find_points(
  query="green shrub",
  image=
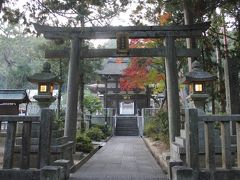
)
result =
(58, 120)
(107, 131)
(84, 143)
(82, 138)
(151, 129)
(95, 134)
(157, 127)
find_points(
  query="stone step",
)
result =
(178, 148)
(119, 122)
(126, 127)
(166, 156)
(126, 133)
(130, 129)
(183, 133)
(126, 121)
(181, 141)
(126, 117)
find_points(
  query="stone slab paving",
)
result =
(122, 158)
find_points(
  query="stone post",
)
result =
(172, 88)
(192, 140)
(72, 90)
(45, 137)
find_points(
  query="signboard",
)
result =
(122, 43)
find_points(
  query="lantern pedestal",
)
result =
(198, 100)
(44, 101)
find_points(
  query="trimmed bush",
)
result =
(95, 134)
(84, 143)
(104, 128)
(157, 127)
(82, 138)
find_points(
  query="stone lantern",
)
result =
(45, 80)
(197, 79)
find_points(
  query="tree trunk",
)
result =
(231, 81)
(148, 96)
(221, 87)
(80, 100)
(59, 91)
(81, 86)
(188, 20)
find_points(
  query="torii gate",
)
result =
(170, 33)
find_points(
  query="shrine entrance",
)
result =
(126, 107)
(122, 34)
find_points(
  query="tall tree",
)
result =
(62, 13)
(19, 57)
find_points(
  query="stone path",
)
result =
(122, 158)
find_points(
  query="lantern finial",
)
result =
(196, 66)
(46, 67)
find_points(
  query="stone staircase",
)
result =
(126, 126)
(178, 151)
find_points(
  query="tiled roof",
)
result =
(13, 96)
(114, 66)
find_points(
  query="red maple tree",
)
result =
(138, 74)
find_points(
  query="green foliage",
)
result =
(95, 134)
(92, 103)
(84, 143)
(157, 127)
(83, 138)
(61, 13)
(19, 58)
(107, 131)
(59, 119)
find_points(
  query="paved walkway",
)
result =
(122, 158)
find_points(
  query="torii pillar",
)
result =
(72, 90)
(172, 88)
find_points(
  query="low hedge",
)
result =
(95, 134)
(107, 131)
(84, 143)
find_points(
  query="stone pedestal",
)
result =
(44, 101)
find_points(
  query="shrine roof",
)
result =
(13, 96)
(114, 66)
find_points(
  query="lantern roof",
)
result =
(198, 75)
(46, 76)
